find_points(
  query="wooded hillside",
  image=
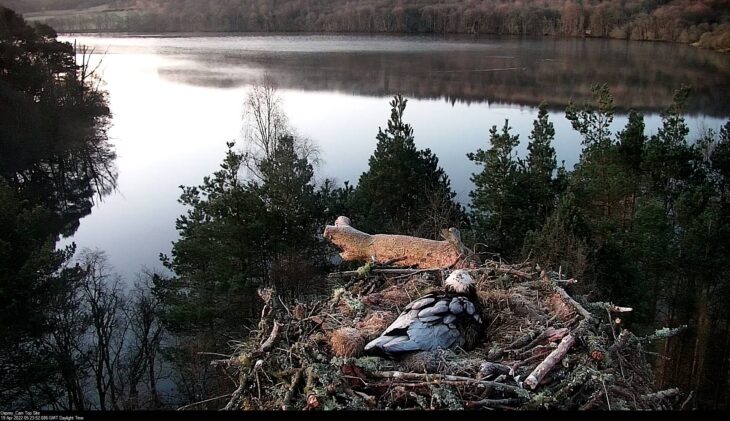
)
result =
(673, 20)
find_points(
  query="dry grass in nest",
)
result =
(559, 308)
(347, 342)
(396, 297)
(345, 309)
(497, 298)
(375, 323)
(418, 284)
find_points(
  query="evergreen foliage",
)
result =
(404, 190)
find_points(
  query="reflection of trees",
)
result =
(642, 76)
(56, 154)
(68, 181)
(54, 160)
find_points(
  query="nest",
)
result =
(542, 349)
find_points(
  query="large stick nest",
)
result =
(307, 356)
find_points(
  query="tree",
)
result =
(396, 193)
(264, 122)
(104, 303)
(495, 199)
(146, 336)
(668, 157)
(593, 121)
(55, 158)
(632, 141)
(540, 167)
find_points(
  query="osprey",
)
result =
(440, 319)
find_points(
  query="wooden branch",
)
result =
(662, 394)
(400, 250)
(664, 333)
(508, 270)
(296, 378)
(182, 408)
(491, 403)
(236, 395)
(489, 369)
(686, 401)
(620, 342)
(312, 398)
(525, 339)
(534, 379)
(271, 339)
(437, 378)
(576, 305)
(226, 363)
(611, 307)
(548, 335)
(496, 267)
(383, 272)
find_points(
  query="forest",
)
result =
(683, 21)
(641, 220)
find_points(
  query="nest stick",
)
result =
(549, 363)
(400, 375)
(295, 380)
(579, 308)
(269, 342)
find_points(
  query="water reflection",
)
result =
(58, 158)
(642, 76)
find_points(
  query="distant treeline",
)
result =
(656, 20)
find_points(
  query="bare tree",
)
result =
(265, 123)
(146, 335)
(64, 346)
(103, 296)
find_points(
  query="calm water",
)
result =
(176, 101)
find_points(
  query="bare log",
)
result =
(400, 250)
(549, 363)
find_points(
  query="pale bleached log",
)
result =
(399, 250)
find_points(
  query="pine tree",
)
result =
(496, 200)
(668, 156)
(238, 234)
(593, 120)
(632, 141)
(540, 166)
(395, 194)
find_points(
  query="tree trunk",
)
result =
(400, 250)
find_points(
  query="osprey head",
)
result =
(459, 282)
